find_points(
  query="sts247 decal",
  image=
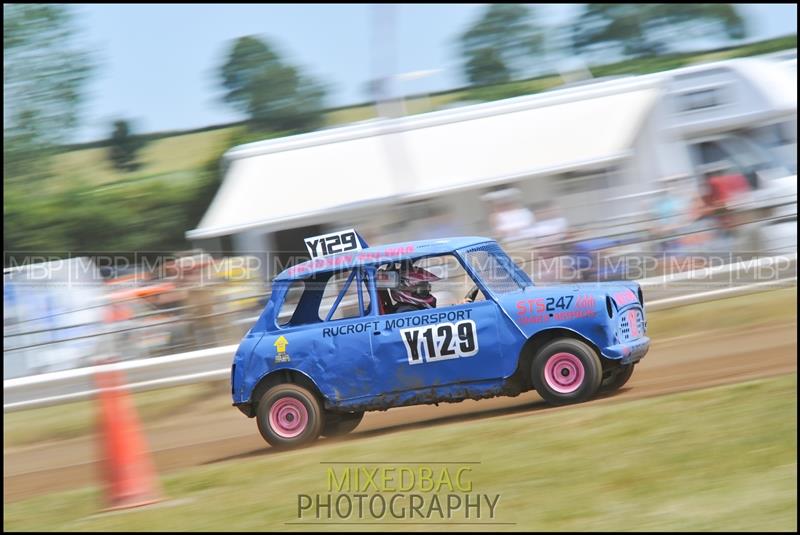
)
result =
(559, 308)
(443, 341)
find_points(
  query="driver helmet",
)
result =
(415, 288)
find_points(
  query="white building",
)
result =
(599, 150)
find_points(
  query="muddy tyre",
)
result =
(617, 379)
(338, 424)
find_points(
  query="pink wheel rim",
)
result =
(564, 373)
(288, 417)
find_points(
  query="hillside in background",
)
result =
(86, 203)
(174, 155)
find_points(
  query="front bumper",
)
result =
(628, 352)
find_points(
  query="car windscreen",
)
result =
(493, 266)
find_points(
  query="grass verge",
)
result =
(78, 418)
(764, 308)
(723, 458)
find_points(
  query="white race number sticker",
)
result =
(443, 341)
(335, 242)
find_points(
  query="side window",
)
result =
(448, 284)
(709, 158)
(711, 152)
(348, 305)
(290, 302)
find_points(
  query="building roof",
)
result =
(394, 252)
(308, 178)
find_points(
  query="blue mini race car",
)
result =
(361, 328)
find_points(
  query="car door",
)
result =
(331, 342)
(440, 346)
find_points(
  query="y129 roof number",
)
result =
(333, 243)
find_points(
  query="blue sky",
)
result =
(157, 62)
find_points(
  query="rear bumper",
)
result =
(628, 352)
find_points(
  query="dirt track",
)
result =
(678, 364)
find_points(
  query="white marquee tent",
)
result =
(272, 184)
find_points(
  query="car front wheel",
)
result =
(566, 371)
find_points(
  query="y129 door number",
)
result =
(442, 341)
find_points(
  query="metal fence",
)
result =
(214, 364)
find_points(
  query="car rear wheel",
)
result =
(338, 423)
(566, 371)
(617, 379)
(289, 416)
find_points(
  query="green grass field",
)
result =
(77, 419)
(775, 306)
(174, 157)
(718, 459)
(179, 157)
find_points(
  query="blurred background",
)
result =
(162, 163)
(176, 175)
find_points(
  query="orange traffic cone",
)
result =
(128, 470)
